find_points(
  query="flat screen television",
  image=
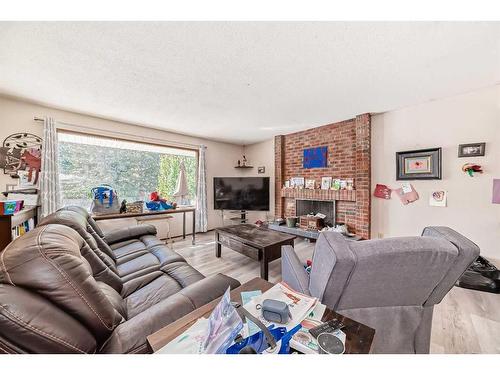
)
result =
(241, 193)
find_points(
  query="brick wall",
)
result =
(348, 157)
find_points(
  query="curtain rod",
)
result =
(74, 127)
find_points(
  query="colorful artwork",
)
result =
(310, 184)
(418, 165)
(438, 198)
(382, 191)
(316, 157)
(326, 183)
(21, 151)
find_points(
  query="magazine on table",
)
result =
(305, 343)
(300, 304)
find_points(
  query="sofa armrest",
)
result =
(128, 233)
(292, 270)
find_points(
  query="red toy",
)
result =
(155, 197)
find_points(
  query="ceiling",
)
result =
(243, 82)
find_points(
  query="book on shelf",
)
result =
(22, 228)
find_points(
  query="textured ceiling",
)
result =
(243, 82)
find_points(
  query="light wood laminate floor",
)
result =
(465, 321)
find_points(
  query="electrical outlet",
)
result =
(380, 235)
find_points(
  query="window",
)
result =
(133, 169)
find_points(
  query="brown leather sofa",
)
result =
(66, 287)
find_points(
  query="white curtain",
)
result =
(50, 192)
(201, 193)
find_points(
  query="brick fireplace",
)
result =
(348, 157)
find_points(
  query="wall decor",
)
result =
(310, 184)
(350, 184)
(297, 182)
(407, 193)
(336, 184)
(316, 157)
(438, 198)
(21, 151)
(382, 191)
(471, 168)
(496, 191)
(469, 150)
(326, 183)
(419, 164)
(261, 170)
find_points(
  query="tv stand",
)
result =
(240, 219)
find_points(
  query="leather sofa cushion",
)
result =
(183, 273)
(38, 326)
(143, 262)
(152, 293)
(48, 261)
(77, 222)
(114, 298)
(176, 276)
(130, 232)
(130, 336)
(128, 249)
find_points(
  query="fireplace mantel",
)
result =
(318, 194)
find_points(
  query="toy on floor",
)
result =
(157, 203)
(308, 266)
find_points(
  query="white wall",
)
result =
(261, 155)
(446, 123)
(17, 116)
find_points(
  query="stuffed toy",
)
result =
(157, 203)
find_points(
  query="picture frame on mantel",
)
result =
(422, 164)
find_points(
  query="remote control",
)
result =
(329, 326)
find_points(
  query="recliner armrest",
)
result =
(292, 270)
(468, 252)
(128, 233)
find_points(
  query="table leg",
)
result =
(183, 225)
(218, 247)
(264, 268)
(194, 227)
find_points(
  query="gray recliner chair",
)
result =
(388, 284)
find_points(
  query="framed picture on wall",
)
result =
(471, 149)
(419, 164)
(316, 157)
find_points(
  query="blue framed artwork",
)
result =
(316, 157)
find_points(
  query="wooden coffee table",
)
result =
(359, 337)
(261, 244)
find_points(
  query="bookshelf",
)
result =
(13, 226)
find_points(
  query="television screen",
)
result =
(241, 193)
